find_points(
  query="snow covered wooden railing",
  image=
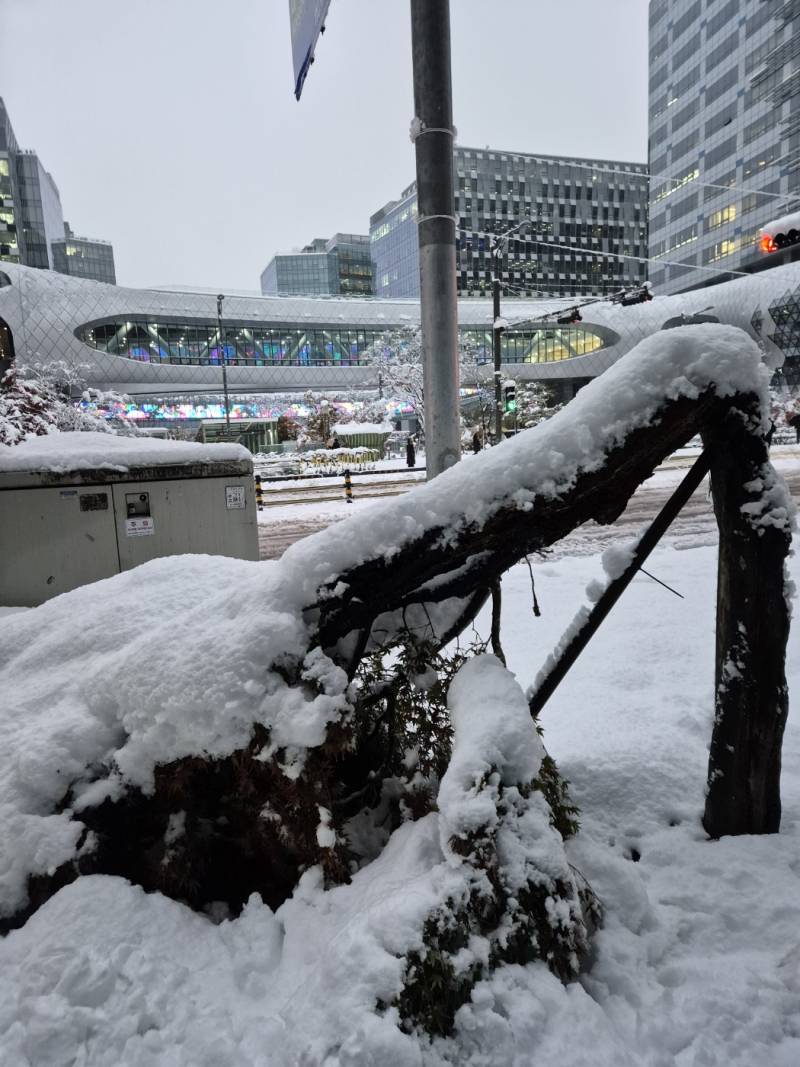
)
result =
(214, 738)
(717, 388)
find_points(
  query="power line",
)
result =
(623, 255)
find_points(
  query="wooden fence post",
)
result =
(751, 697)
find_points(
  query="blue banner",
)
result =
(307, 18)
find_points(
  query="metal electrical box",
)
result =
(65, 527)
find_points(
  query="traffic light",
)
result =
(509, 397)
(639, 295)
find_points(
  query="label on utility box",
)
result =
(142, 526)
(234, 496)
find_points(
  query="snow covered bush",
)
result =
(26, 410)
(36, 400)
(520, 900)
(535, 403)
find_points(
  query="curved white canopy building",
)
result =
(162, 343)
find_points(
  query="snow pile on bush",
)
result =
(444, 901)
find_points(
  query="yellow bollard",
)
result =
(259, 493)
(348, 487)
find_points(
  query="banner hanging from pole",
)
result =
(307, 19)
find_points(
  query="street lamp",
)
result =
(496, 250)
(224, 360)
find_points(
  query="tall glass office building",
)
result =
(42, 220)
(587, 216)
(724, 132)
(339, 266)
(10, 199)
(84, 257)
(32, 228)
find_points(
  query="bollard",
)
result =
(259, 493)
(348, 487)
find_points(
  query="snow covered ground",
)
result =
(698, 960)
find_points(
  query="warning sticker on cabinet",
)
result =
(142, 526)
(234, 496)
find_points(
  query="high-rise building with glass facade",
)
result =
(339, 266)
(32, 228)
(84, 257)
(40, 203)
(586, 215)
(10, 200)
(395, 245)
(724, 151)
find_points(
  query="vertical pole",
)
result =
(496, 351)
(432, 133)
(753, 614)
(224, 359)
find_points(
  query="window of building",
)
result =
(720, 120)
(680, 118)
(689, 18)
(683, 207)
(685, 145)
(756, 129)
(722, 85)
(674, 184)
(685, 52)
(724, 151)
(724, 49)
(761, 160)
(689, 79)
(722, 216)
(723, 18)
(720, 250)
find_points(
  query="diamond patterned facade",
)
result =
(165, 343)
(785, 313)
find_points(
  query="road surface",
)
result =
(694, 526)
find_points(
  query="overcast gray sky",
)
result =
(171, 128)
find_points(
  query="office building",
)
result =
(84, 257)
(340, 266)
(586, 216)
(724, 100)
(42, 221)
(32, 228)
(10, 198)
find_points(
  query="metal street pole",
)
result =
(496, 350)
(433, 134)
(224, 359)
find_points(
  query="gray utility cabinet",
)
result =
(62, 529)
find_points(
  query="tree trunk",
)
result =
(751, 697)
